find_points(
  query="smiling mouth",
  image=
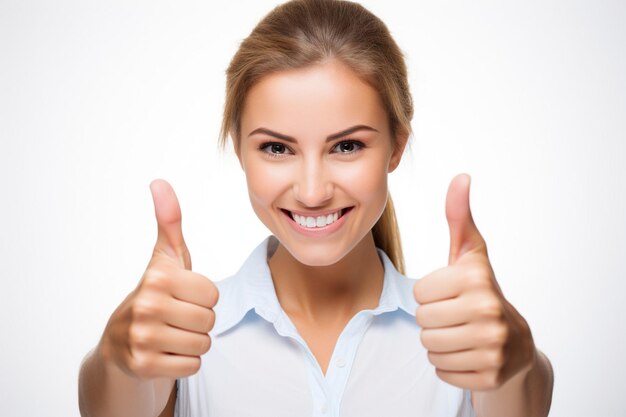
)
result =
(313, 222)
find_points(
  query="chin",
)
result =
(316, 254)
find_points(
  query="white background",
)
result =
(99, 98)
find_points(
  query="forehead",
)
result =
(312, 101)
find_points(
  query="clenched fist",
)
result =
(474, 337)
(161, 328)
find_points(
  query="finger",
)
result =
(169, 220)
(467, 360)
(155, 365)
(464, 235)
(441, 284)
(178, 366)
(448, 339)
(190, 317)
(474, 381)
(169, 339)
(194, 288)
(444, 313)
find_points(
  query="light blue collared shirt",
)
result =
(259, 365)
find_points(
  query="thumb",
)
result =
(464, 236)
(170, 235)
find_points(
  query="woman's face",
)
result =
(316, 150)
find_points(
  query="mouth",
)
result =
(317, 221)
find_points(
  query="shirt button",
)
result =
(324, 408)
(341, 362)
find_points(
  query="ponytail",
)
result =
(387, 236)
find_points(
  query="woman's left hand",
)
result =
(475, 338)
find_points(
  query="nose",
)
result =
(313, 186)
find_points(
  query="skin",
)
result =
(157, 334)
(474, 337)
(330, 277)
(322, 281)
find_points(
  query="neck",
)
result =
(329, 294)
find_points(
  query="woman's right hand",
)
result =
(161, 328)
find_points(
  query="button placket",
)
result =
(348, 344)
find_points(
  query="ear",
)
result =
(396, 155)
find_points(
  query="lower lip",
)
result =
(318, 231)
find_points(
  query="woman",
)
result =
(320, 319)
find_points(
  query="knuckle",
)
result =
(210, 320)
(477, 277)
(432, 358)
(496, 358)
(156, 279)
(193, 365)
(496, 335)
(214, 296)
(417, 291)
(419, 317)
(206, 344)
(443, 375)
(199, 345)
(491, 380)
(489, 307)
(426, 339)
(141, 365)
(145, 308)
(501, 334)
(140, 337)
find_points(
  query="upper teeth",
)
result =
(319, 221)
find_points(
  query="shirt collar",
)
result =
(251, 287)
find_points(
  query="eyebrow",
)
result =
(328, 138)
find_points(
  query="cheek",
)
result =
(366, 181)
(265, 181)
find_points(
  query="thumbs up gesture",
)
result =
(474, 337)
(161, 328)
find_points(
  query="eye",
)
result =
(349, 146)
(274, 149)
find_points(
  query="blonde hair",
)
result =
(300, 33)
